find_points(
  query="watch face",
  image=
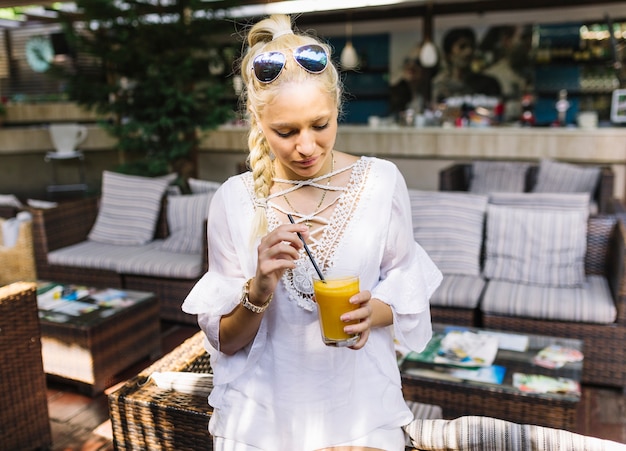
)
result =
(39, 53)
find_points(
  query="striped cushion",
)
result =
(449, 226)
(556, 177)
(185, 220)
(155, 262)
(147, 259)
(591, 303)
(535, 244)
(542, 201)
(198, 186)
(477, 433)
(458, 291)
(498, 176)
(129, 209)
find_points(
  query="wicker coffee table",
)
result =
(89, 340)
(428, 382)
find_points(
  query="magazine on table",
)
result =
(539, 383)
(465, 348)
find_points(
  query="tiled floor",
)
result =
(80, 423)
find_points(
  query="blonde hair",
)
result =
(274, 33)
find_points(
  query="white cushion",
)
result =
(129, 209)
(449, 226)
(532, 243)
(198, 186)
(185, 220)
(498, 176)
(556, 177)
(590, 303)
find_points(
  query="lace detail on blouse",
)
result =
(298, 282)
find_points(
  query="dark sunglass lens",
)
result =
(312, 57)
(267, 66)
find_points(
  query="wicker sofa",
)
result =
(454, 229)
(458, 177)
(69, 224)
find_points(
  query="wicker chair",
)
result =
(145, 416)
(24, 423)
(457, 177)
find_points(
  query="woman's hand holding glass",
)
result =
(363, 315)
(277, 252)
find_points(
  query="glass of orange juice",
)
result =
(332, 296)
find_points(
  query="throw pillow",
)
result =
(198, 186)
(533, 243)
(556, 177)
(185, 220)
(129, 208)
(497, 176)
(449, 226)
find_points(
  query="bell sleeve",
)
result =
(408, 277)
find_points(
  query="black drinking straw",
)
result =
(308, 251)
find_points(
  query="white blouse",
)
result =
(286, 390)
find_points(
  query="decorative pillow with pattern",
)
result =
(185, 219)
(198, 186)
(498, 176)
(532, 239)
(557, 177)
(449, 226)
(129, 208)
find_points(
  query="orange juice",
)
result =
(332, 297)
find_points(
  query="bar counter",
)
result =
(419, 152)
(600, 145)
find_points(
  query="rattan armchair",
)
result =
(24, 422)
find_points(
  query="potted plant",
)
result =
(146, 68)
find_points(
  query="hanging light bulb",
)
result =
(428, 52)
(349, 58)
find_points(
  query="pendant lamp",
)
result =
(349, 58)
(428, 53)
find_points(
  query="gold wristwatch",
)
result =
(245, 300)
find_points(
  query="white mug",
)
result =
(66, 137)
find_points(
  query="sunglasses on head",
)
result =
(268, 65)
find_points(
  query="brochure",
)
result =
(492, 374)
(556, 356)
(538, 383)
(468, 349)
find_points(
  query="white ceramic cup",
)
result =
(66, 137)
(588, 119)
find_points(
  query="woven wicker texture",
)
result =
(92, 355)
(70, 223)
(24, 422)
(146, 417)
(18, 261)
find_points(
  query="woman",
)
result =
(276, 385)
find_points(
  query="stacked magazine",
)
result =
(468, 349)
